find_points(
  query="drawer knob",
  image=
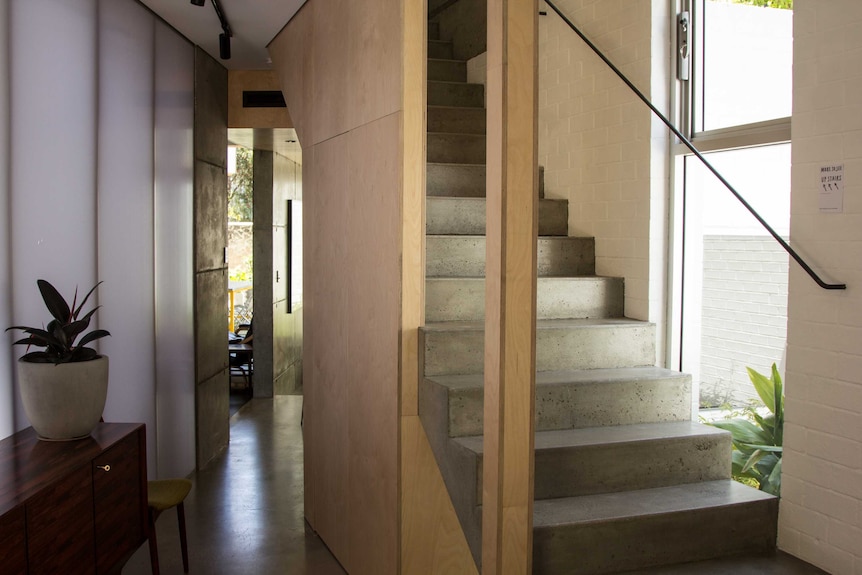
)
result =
(105, 468)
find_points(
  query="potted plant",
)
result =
(65, 384)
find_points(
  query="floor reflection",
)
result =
(245, 512)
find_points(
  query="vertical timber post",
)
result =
(510, 287)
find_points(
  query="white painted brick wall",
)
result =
(821, 508)
(744, 314)
(598, 142)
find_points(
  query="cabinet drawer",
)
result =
(119, 504)
(60, 526)
(13, 550)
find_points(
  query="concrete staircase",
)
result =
(623, 478)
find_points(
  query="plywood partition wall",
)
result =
(353, 77)
(339, 64)
(510, 287)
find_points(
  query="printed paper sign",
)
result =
(832, 189)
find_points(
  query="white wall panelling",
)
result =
(53, 162)
(125, 214)
(7, 408)
(174, 290)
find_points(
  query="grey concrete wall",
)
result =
(263, 378)
(465, 24)
(278, 328)
(287, 290)
(744, 314)
(210, 241)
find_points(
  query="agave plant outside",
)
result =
(59, 337)
(758, 442)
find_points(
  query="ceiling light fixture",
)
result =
(224, 37)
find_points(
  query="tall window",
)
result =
(730, 288)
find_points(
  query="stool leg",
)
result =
(151, 536)
(181, 518)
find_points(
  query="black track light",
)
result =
(198, 2)
(224, 46)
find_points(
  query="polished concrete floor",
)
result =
(244, 514)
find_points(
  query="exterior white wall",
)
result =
(821, 507)
(599, 144)
(82, 200)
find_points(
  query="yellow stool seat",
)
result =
(161, 495)
(166, 493)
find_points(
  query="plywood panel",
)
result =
(292, 59)
(329, 265)
(239, 116)
(374, 60)
(374, 228)
(330, 44)
(510, 288)
(432, 540)
(413, 201)
(310, 405)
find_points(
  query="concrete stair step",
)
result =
(456, 148)
(455, 180)
(466, 216)
(433, 30)
(614, 532)
(447, 70)
(457, 94)
(464, 256)
(456, 120)
(463, 299)
(452, 348)
(439, 49)
(575, 462)
(565, 399)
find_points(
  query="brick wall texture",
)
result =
(821, 507)
(596, 140)
(744, 315)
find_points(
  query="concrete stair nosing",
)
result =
(463, 299)
(456, 94)
(440, 49)
(464, 256)
(615, 532)
(445, 70)
(567, 399)
(587, 461)
(454, 148)
(456, 119)
(452, 348)
(455, 180)
(466, 216)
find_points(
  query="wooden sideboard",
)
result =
(73, 507)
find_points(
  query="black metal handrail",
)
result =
(697, 153)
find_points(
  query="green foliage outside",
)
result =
(782, 4)
(758, 440)
(240, 188)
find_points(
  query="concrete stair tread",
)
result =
(606, 436)
(560, 377)
(445, 60)
(630, 505)
(542, 324)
